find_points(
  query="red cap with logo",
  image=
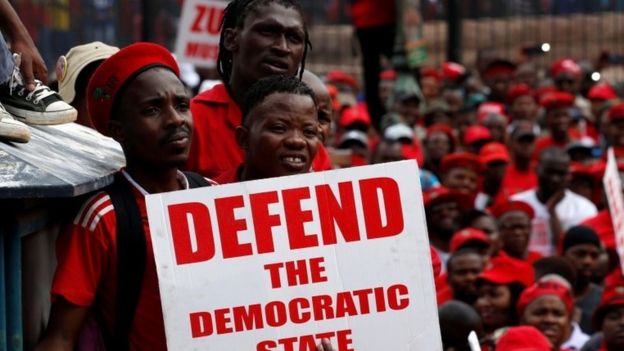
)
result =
(113, 74)
(543, 288)
(565, 66)
(523, 338)
(503, 269)
(557, 99)
(468, 235)
(494, 152)
(460, 160)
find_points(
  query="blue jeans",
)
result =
(6, 61)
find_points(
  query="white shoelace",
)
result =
(39, 93)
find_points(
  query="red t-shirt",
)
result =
(86, 274)
(214, 149)
(516, 181)
(372, 13)
(547, 141)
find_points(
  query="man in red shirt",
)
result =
(520, 175)
(558, 121)
(258, 39)
(137, 98)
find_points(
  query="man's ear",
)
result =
(242, 137)
(230, 39)
(116, 131)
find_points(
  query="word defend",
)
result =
(613, 189)
(198, 32)
(279, 264)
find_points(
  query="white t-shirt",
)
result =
(571, 210)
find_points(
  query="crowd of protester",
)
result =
(511, 163)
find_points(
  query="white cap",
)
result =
(399, 131)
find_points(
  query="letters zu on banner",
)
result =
(198, 33)
(278, 264)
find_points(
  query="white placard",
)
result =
(613, 188)
(276, 264)
(198, 32)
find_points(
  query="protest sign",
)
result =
(198, 33)
(613, 188)
(277, 264)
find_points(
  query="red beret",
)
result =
(116, 71)
(519, 90)
(473, 134)
(542, 288)
(523, 338)
(430, 72)
(343, 77)
(441, 194)
(503, 269)
(557, 99)
(492, 152)
(460, 160)
(452, 70)
(565, 66)
(616, 112)
(388, 74)
(602, 91)
(612, 297)
(467, 235)
(512, 205)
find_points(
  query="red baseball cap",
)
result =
(616, 112)
(452, 70)
(116, 71)
(338, 76)
(476, 133)
(512, 205)
(565, 66)
(519, 90)
(612, 296)
(503, 269)
(557, 99)
(543, 288)
(493, 152)
(468, 235)
(602, 91)
(441, 194)
(523, 338)
(352, 115)
(460, 160)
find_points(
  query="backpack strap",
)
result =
(196, 180)
(131, 253)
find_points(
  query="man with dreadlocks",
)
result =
(259, 38)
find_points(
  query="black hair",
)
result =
(459, 253)
(466, 218)
(234, 16)
(555, 265)
(80, 86)
(271, 85)
(457, 319)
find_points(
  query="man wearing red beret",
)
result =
(460, 172)
(106, 262)
(495, 160)
(514, 224)
(558, 121)
(520, 174)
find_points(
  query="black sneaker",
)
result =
(12, 130)
(40, 106)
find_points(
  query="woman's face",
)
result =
(549, 314)
(493, 305)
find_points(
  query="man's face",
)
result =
(584, 257)
(497, 127)
(388, 152)
(460, 179)
(548, 314)
(281, 136)
(409, 110)
(523, 146)
(495, 171)
(442, 218)
(613, 328)
(524, 108)
(488, 225)
(558, 122)
(499, 84)
(515, 230)
(437, 146)
(430, 87)
(553, 175)
(462, 275)
(615, 132)
(386, 87)
(155, 127)
(271, 41)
